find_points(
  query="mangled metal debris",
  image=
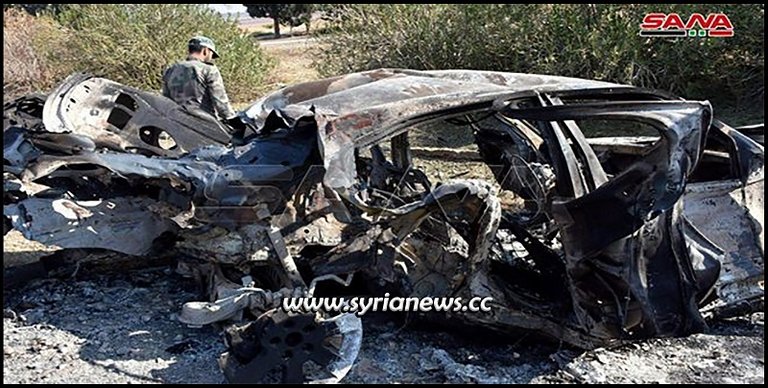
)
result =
(602, 241)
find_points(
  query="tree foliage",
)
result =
(597, 41)
(292, 14)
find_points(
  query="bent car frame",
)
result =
(589, 241)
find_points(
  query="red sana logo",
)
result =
(715, 25)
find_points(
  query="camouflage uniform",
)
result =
(195, 84)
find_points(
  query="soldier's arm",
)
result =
(219, 94)
(166, 92)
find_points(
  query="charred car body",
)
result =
(588, 241)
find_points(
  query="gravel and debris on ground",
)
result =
(122, 328)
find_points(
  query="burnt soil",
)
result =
(93, 326)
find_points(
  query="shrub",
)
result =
(587, 41)
(24, 69)
(133, 43)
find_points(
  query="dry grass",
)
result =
(294, 65)
(25, 69)
(294, 60)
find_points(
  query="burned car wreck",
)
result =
(589, 241)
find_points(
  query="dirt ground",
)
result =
(97, 327)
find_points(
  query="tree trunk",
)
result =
(277, 27)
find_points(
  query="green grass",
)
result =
(592, 41)
(133, 44)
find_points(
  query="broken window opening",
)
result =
(119, 118)
(127, 102)
(157, 137)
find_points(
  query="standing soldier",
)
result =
(196, 83)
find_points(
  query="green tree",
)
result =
(35, 9)
(291, 14)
